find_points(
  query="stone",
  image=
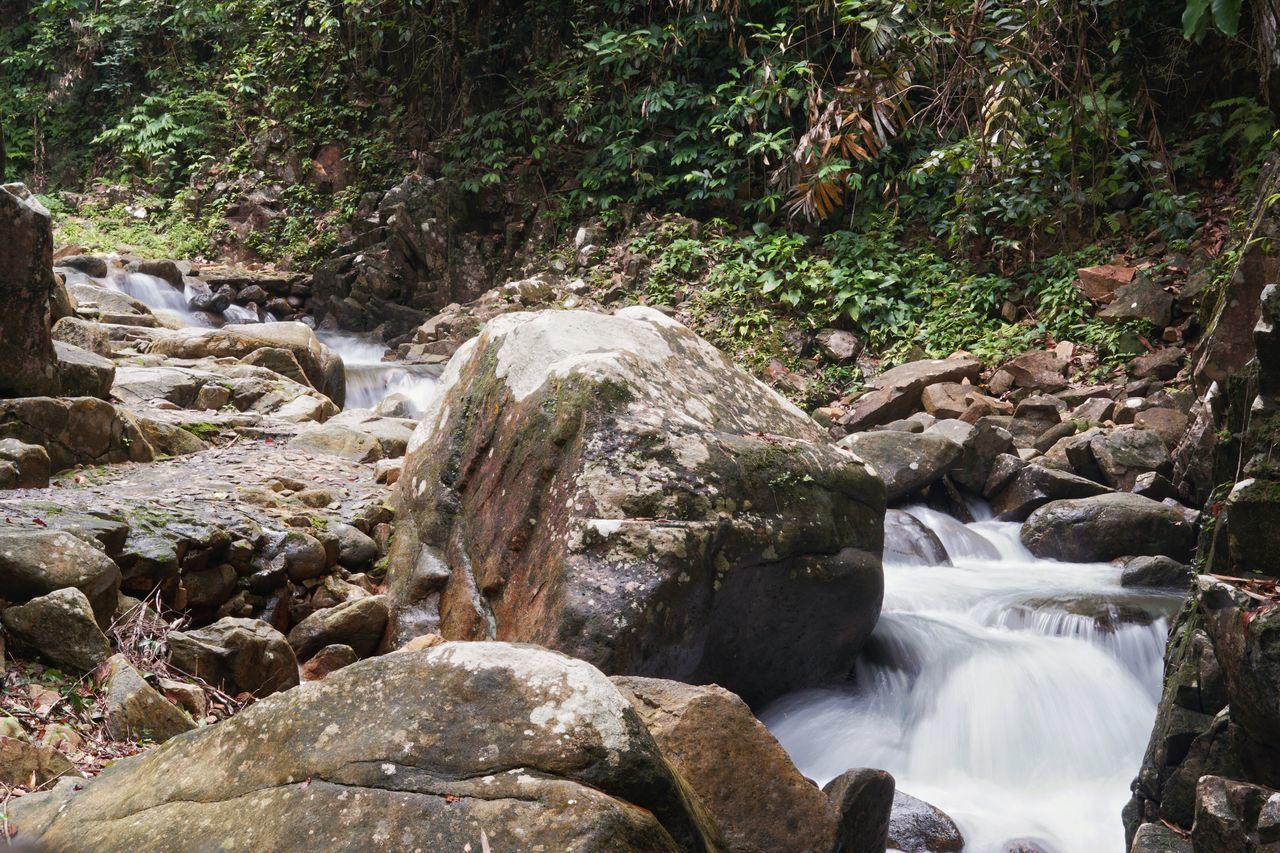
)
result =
(135, 710)
(169, 440)
(1158, 838)
(1101, 528)
(28, 365)
(392, 434)
(1140, 300)
(277, 360)
(1100, 283)
(83, 334)
(75, 431)
(1155, 486)
(338, 440)
(84, 374)
(918, 827)
(1122, 454)
(947, 399)
(864, 799)
(162, 269)
(905, 461)
(908, 542)
(514, 521)
(328, 660)
(236, 656)
(737, 769)
(30, 463)
(1158, 572)
(979, 450)
(1169, 424)
(189, 697)
(1244, 538)
(1235, 816)
(1033, 486)
(358, 623)
(1037, 371)
(60, 627)
(896, 393)
(304, 556)
(1159, 364)
(356, 550)
(32, 765)
(538, 750)
(37, 562)
(387, 471)
(91, 265)
(838, 345)
(1094, 410)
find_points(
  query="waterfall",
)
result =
(371, 379)
(1015, 694)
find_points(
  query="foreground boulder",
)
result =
(236, 656)
(918, 827)
(28, 367)
(1102, 528)
(614, 487)
(60, 628)
(480, 744)
(37, 562)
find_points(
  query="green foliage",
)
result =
(167, 231)
(1224, 15)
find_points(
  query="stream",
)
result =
(1015, 694)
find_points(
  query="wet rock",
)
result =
(1155, 486)
(1037, 371)
(83, 373)
(236, 656)
(1159, 572)
(864, 799)
(1032, 486)
(328, 660)
(29, 464)
(1140, 300)
(137, 711)
(356, 550)
(907, 542)
(83, 334)
(35, 563)
(1121, 455)
(838, 345)
(738, 770)
(917, 827)
(896, 393)
(76, 431)
(1101, 528)
(90, 265)
(513, 521)
(165, 270)
(33, 765)
(277, 360)
(905, 461)
(1245, 536)
(1158, 838)
(209, 588)
(358, 623)
(1235, 816)
(979, 449)
(28, 365)
(584, 773)
(60, 628)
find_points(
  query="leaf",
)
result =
(1226, 16)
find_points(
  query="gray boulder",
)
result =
(1101, 528)
(84, 374)
(60, 628)
(907, 462)
(917, 827)
(1032, 486)
(864, 800)
(135, 710)
(907, 542)
(1158, 572)
(37, 562)
(236, 656)
(358, 623)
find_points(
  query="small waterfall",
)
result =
(371, 379)
(1015, 694)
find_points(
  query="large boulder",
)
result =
(236, 656)
(358, 623)
(896, 393)
(918, 827)
(134, 710)
(321, 365)
(614, 487)
(481, 744)
(1032, 486)
(28, 367)
(84, 373)
(908, 542)
(34, 563)
(907, 462)
(60, 627)
(1102, 528)
(76, 430)
(738, 770)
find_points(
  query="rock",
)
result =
(917, 827)
(1159, 572)
(1158, 838)
(1235, 816)
(83, 373)
(328, 660)
(91, 265)
(209, 588)
(838, 345)
(1097, 529)
(76, 431)
(169, 440)
(907, 542)
(303, 555)
(896, 393)
(1033, 486)
(60, 628)
(1140, 300)
(1094, 410)
(1121, 455)
(947, 399)
(979, 450)
(538, 750)
(338, 440)
(1038, 371)
(1244, 537)
(164, 270)
(320, 364)
(392, 434)
(30, 464)
(1100, 283)
(1169, 424)
(387, 471)
(28, 366)
(83, 334)
(1155, 486)
(236, 656)
(1159, 364)
(137, 711)
(277, 360)
(864, 799)
(358, 623)
(512, 485)
(355, 549)
(32, 765)
(35, 563)
(738, 770)
(905, 461)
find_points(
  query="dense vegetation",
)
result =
(864, 160)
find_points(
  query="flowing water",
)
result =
(1015, 694)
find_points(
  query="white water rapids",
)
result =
(984, 694)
